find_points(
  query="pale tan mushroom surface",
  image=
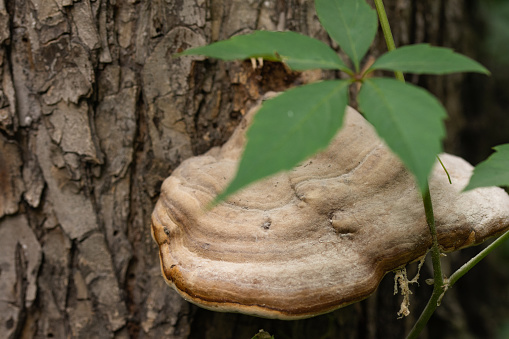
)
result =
(313, 239)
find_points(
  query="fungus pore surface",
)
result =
(316, 238)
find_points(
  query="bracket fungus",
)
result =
(316, 238)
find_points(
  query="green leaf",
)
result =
(290, 128)
(298, 51)
(351, 23)
(493, 171)
(409, 119)
(423, 58)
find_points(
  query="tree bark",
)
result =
(95, 113)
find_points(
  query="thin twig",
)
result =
(445, 169)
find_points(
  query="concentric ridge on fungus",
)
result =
(314, 239)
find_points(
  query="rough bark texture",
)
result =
(94, 114)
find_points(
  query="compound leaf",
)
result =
(290, 128)
(409, 119)
(493, 171)
(298, 51)
(351, 23)
(423, 58)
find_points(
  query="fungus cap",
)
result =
(316, 238)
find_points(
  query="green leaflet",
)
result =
(423, 58)
(409, 119)
(493, 171)
(351, 23)
(290, 128)
(298, 51)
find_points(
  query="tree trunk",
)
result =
(95, 113)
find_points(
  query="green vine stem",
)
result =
(438, 284)
(438, 292)
(438, 288)
(472, 262)
(386, 29)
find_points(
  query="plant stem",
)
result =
(472, 262)
(427, 312)
(435, 250)
(445, 169)
(439, 289)
(438, 285)
(386, 29)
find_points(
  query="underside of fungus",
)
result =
(316, 238)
